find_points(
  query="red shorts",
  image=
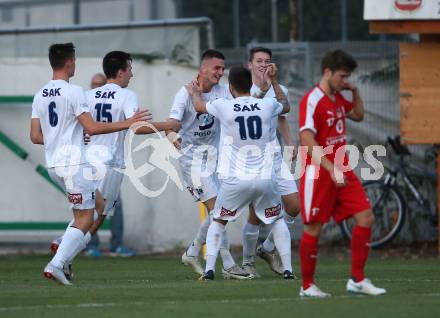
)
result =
(321, 199)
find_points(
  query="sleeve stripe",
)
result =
(312, 102)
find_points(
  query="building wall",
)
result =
(91, 11)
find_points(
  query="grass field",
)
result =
(161, 287)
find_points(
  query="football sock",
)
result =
(225, 254)
(250, 238)
(213, 242)
(360, 240)
(196, 245)
(268, 244)
(281, 238)
(308, 251)
(86, 239)
(72, 239)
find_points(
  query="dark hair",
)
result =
(115, 61)
(60, 53)
(210, 54)
(338, 60)
(258, 49)
(240, 79)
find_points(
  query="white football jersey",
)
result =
(111, 103)
(246, 140)
(198, 129)
(57, 105)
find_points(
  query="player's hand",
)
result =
(142, 115)
(350, 86)
(192, 88)
(272, 72)
(338, 177)
(175, 139)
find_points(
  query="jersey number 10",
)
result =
(253, 125)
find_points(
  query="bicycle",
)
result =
(388, 204)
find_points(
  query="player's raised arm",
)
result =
(357, 113)
(272, 73)
(195, 93)
(96, 128)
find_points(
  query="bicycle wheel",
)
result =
(389, 213)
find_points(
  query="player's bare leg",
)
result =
(360, 246)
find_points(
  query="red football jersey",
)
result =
(325, 117)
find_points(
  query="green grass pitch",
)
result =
(162, 287)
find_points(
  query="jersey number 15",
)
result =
(103, 112)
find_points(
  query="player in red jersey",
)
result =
(329, 187)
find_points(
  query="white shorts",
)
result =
(284, 178)
(110, 186)
(80, 190)
(236, 195)
(203, 188)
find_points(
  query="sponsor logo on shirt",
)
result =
(226, 212)
(75, 198)
(273, 211)
(407, 5)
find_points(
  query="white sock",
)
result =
(196, 245)
(268, 244)
(213, 242)
(250, 238)
(72, 238)
(225, 253)
(290, 221)
(86, 239)
(281, 237)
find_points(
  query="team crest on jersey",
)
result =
(339, 112)
(207, 120)
(226, 212)
(75, 198)
(273, 211)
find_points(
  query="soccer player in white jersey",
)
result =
(199, 137)
(113, 102)
(60, 115)
(245, 162)
(259, 60)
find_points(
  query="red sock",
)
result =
(360, 240)
(308, 251)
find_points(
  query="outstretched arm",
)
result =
(168, 126)
(96, 128)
